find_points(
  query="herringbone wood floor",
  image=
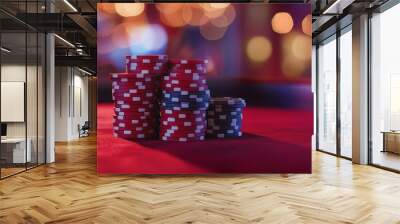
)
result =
(70, 191)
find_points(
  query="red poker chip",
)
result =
(146, 61)
(188, 61)
(153, 63)
(133, 75)
(136, 78)
(136, 120)
(177, 129)
(144, 99)
(181, 132)
(184, 125)
(135, 117)
(133, 87)
(150, 66)
(152, 71)
(136, 114)
(134, 108)
(149, 103)
(126, 104)
(175, 79)
(183, 129)
(136, 82)
(155, 57)
(140, 78)
(188, 71)
(133, 131)
(188, 77)
(136, 89)
(129, 131)
(138, 125)
(128, 96)
(129, 93)
(186, 112)
(188, 87)
(139, 99)
(133, 136)
(142, 126)
(166, 118)
(183, 79)
(184, 83)
(181, 139)
(125, 116)
(155, 70)
(202, 72)
(188, 136)
(168, 87)
(172, 134)
(199, 66)
(179, 115)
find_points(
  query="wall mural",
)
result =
(204, 88)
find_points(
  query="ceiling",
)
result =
(331, 15)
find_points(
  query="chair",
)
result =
(84, 130)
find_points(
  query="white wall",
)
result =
(71, 94)
(33, 126)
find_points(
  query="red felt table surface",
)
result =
(274, 141)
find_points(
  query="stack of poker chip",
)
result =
(224, 117)
(136, 97)
(184, 101)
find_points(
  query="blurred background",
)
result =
(260, 52)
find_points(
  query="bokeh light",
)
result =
(292, 68)
(282, 22)
(296, 52)
(172, 14)
(301, 47)
(219, 5)
(194, 15)
(129, 9)
(211, 32)
(148, 38)
(169, 8)
(107, 8)
(259, 49)
(306, 25)
(297, 45)
(212, 10)
(225, 19)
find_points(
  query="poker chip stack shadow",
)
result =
(184, 101)
(136, 95)
(224, 117)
